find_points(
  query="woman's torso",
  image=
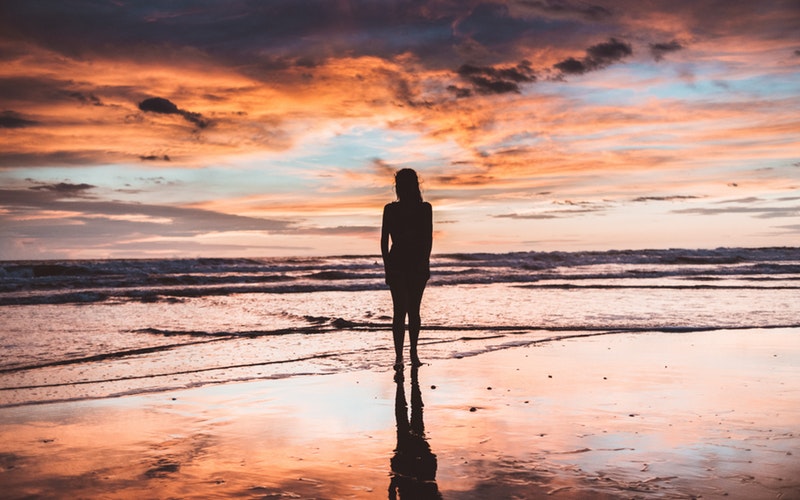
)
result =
(410, 227)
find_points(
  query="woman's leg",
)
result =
(414, 321)
(400, 308)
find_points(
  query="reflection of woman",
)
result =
(413, 464)
(409, 223)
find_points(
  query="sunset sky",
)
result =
(271, 128)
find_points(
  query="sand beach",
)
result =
(649, 415)
(214, 217)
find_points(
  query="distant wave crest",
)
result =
(172, 280)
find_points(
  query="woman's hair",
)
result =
(406, 185)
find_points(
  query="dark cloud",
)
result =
(154, 158)
(167, 107)
(465, 180)
(60, 158)
(28, 89)
(459, 92)
(757, 212)
(488, 86)
(521, 73)
(492, 80)
(20, 90)
(608, 52)
(516, 216)
(749, 199)
(404, 91)
(159, 105)
(90, 99)
(246, 34)
(597, 57)
(238, 33)
(659, 50)
(573, 203)
(496, 32)
(65, 189)
(665, 198)
(572, 66)
(12, 119)
(560, 8)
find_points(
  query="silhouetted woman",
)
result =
(409, 223)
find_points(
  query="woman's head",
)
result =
(406, 185)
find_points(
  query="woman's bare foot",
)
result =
(398, 364)
(415, 360)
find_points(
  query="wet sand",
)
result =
(655, 415)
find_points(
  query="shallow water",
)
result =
(95, 329)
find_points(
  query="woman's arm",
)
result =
(385, 236)
(428, 230)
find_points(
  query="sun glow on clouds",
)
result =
(534, 125)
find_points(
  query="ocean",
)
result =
(76, 330)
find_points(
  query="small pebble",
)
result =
(433, 387)
(473, 409)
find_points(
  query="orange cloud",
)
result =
(499, 105)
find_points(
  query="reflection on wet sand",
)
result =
(660, 415)
(413, 463)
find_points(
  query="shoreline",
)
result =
(658, 415)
